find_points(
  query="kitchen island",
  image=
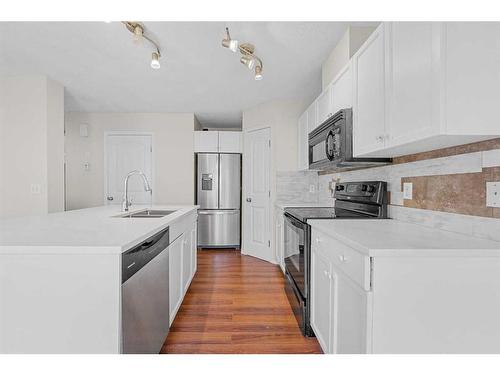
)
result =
(62, 276)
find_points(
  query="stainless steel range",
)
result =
(353, 200)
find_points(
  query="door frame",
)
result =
(244, 235)
(105, 169)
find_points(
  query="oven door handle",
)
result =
(296, 223)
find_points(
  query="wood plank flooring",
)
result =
(236, 304)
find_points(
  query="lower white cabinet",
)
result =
(182, 267)
(402, 303)
(338, 306)
(322, 296)
(279, 237)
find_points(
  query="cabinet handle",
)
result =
(343, 258)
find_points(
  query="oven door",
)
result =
(296, 252)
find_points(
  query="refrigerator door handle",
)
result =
(218, 212)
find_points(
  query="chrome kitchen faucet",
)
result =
(126, 203)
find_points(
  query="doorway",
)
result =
(257, 194)
(123, 153)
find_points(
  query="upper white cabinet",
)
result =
(206, 141)
(341, 90)
(230, 142)
(369, 113)
(420, 86)
(218, 141)
(312, 118)
(324, 106)
(302, 142)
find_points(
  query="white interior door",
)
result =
(256, 177)
(125, 153)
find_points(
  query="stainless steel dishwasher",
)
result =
(145, 295)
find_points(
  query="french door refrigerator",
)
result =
(219, 198)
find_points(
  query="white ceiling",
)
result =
(102, 70)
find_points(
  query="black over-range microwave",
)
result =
(330, 145)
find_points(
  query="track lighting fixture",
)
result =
(258, 73)
(248, 61)
(139, 34)
(248, 57)
(155, 61)
(227, 42)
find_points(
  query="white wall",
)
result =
(282, 118)
(347, 46)
(31, 145)
(173, 155)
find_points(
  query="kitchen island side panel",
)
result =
(60, 303)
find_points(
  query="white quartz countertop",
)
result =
(397, 238)
(83, 231)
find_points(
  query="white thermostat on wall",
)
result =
(493, 194)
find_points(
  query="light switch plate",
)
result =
(408, 190)
(493, 194)
(35, 189)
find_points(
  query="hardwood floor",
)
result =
(236, 304)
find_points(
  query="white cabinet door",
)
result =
(206, 141)
(321, 300)
(194, 249)
(324, 103)
(312, 122)
(302, 139)
(413, 81)
(230, 142)
(341, 90)
(369, 110)
(350, 321)
(472, 77)
(187, 258)
(175, 276)
(279, 238)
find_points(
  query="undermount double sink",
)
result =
(148, 213)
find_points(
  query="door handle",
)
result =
(249, 200)
(109, 198)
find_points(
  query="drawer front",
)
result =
(182, 225)
(355, 265)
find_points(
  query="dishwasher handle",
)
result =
(137, 257)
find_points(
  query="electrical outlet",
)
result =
(493, 194)
(312, 188)
(35, 189)
(86, 166)
(408, 190)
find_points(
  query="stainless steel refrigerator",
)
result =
(219, 197)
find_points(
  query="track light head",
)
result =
(231, 44)
(155, 60)
(248, 61)
(258, 73)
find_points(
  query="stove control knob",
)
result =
(371, 189)
(364, 187)
(339, 187)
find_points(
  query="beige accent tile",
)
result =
(450, 151)
(463, 193)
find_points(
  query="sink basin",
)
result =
(149, 213)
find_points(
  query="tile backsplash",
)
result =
(451, 183)
(297, 187)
